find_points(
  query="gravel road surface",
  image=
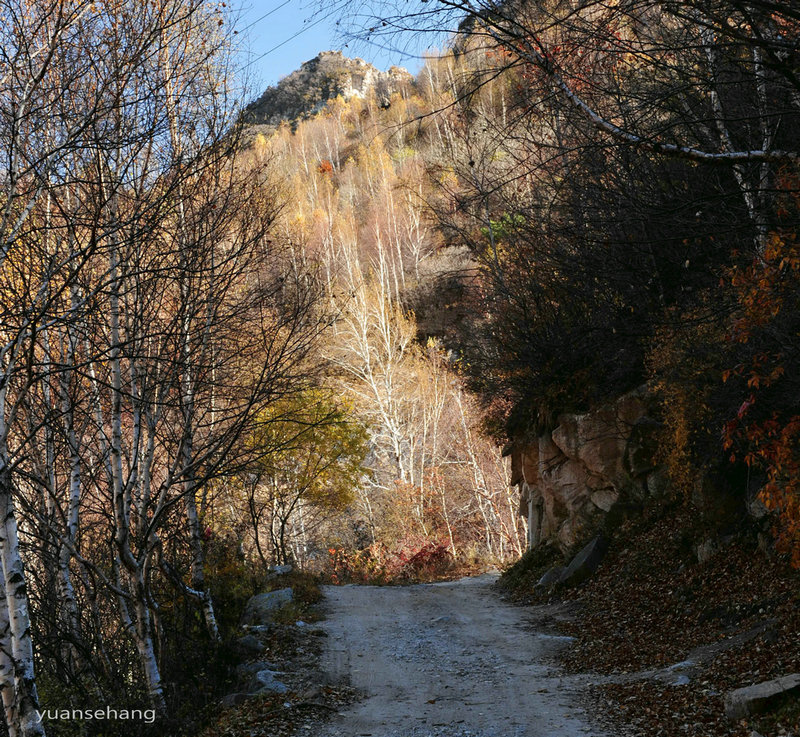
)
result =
(446, 660)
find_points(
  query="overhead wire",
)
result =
(285, 41)
(262, 17)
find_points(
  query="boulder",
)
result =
(761, 697)
(585, 563)
(265, 681)
(574, 476)
(598, 438)
(260, 682)
(550, 578)
(235, 699)
(558, 490)
(590, 467)
(260, 608)
(570, 483)
(259, 677)
(565, 483)
(280, 570)
(245, 672)
(706, 549)
(248, 646)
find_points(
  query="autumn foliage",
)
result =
(765, 429)
(410, 560)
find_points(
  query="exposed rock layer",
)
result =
(326, 76)
(571, 478)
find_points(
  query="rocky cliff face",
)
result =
(572, 478)
(326, 76)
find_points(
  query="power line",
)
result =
(266, 15)
(285, 41)
(402, 52)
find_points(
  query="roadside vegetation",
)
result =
(222, 350)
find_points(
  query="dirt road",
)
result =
(446, 660)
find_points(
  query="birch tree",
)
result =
(146, 321)
(48, 140)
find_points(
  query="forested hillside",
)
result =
(303, 327)
(355, 182)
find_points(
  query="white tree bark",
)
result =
(24, 712)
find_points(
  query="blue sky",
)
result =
(282, 34)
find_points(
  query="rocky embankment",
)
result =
(687, 620)
(589, 467)
(674, 645)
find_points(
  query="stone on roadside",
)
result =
(245, 672)
(235, 699)
(280, 570)
(761, 697)
(248, 646)
(706, 549)
(266, 682)
(550, 578)
(585, 563)
(259, 677)
(260, 608)
(259, 630)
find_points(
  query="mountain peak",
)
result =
(328, 75)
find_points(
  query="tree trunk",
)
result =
(7, 684)
(14, 615)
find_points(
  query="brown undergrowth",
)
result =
(293, 648)
(413, 560)
(652, 605)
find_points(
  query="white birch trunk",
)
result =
(25, 710)
(7, 682)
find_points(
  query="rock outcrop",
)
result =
(761, 697)
(328, 75)
(260, 608)
(571, 478)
